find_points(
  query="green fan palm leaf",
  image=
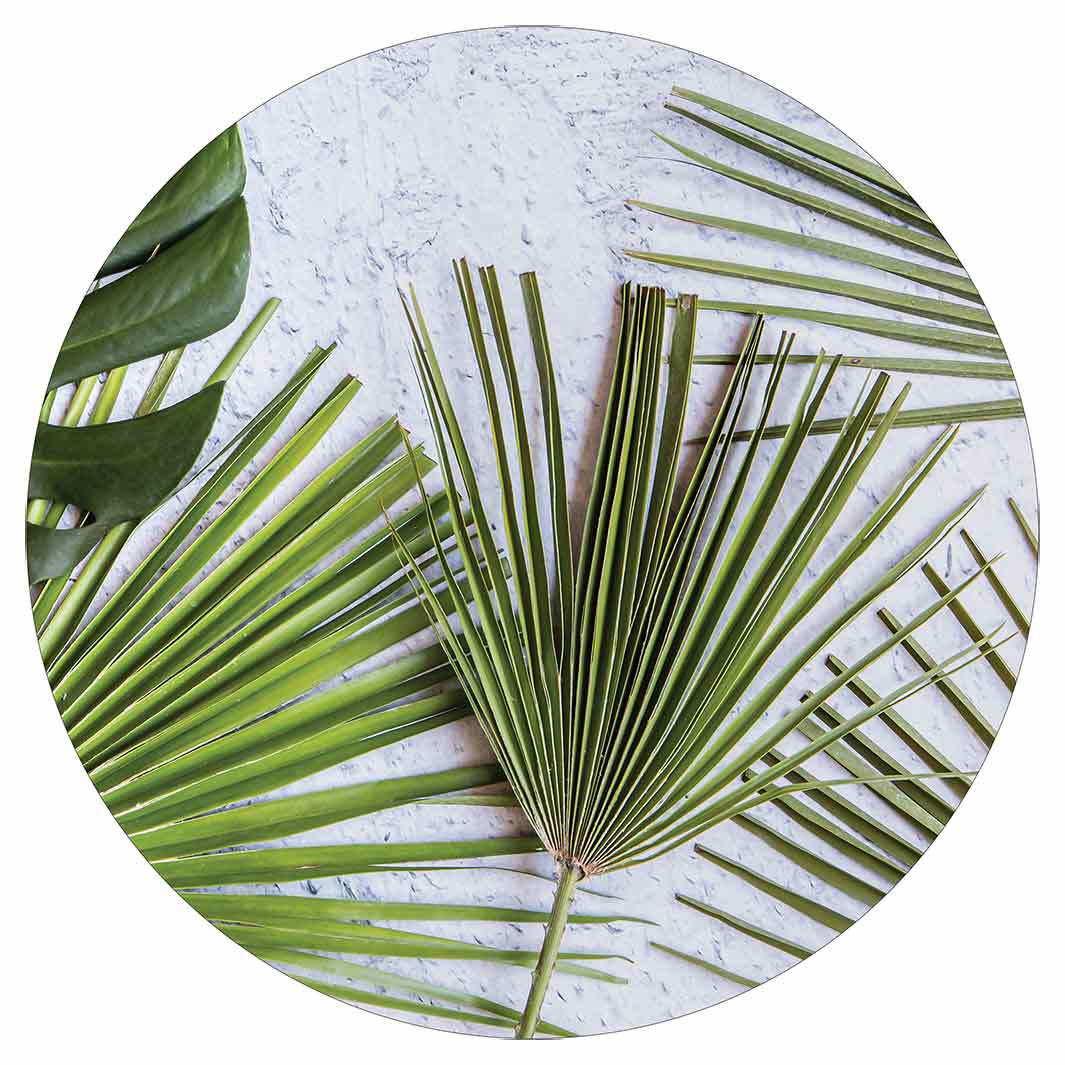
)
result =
(193, 699)
(618, 687)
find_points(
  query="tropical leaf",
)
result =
(893, 232)
(954, 695)
(994, 371)
(212, 179)
(1017, 615)
(625, 722)
(972, 343)
(914, 418)
(933, 277)
(188, 693)
(118, 471)
(964, 314)
(902, 207)
(187, 292)
(815, 146)
(1025, 527)
(972, 629)
(717, 970)
(896, 219)
(190, 289)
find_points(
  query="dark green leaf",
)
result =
(119, 471)
(211, 179)
(189, 291)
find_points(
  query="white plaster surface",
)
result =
(519, 147)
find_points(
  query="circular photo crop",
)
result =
(532, 532)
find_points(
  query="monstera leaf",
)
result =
(117, 472)
(187, 255)
(209, 181)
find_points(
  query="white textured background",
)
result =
(519, 147)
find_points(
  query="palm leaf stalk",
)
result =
(610, 684)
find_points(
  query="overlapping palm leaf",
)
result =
(185, 259)
(962, 323)
(850, 836)
(195, 695)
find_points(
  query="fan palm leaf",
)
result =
(196, 704)
(617, 686)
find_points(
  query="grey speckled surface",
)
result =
(519, 147)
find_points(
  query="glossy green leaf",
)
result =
(209, 181)
(118, 471)
(187, 292)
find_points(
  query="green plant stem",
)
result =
(156, 391)
(568, 877)
(244, 342)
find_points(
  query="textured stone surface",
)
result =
(519, 147)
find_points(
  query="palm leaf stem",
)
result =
(569, 875)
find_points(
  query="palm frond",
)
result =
(619, 693)
(196, 693)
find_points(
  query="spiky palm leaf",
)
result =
(619, 688)
(192, 699)
(895, 219)
(852, 836)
